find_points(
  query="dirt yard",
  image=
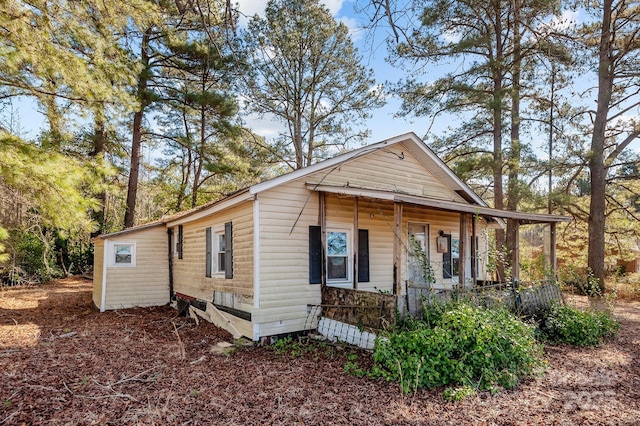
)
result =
(63, 362)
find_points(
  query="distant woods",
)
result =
(147, 108)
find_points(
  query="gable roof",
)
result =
(412, 142)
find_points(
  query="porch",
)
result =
(460, 270)
(470, 215)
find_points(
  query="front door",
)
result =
(418, 254)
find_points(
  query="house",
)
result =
(370, 221)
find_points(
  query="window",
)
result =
(451, 259)
(338, 256)
(219, 251)
(455, 256)
(337, 264)
(123, 254)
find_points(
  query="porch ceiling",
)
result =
(451, 206)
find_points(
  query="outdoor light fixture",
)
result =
(442, 243)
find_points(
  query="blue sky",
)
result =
(382, 124)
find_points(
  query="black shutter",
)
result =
(447, 271)
(180, 241)
(315, 255)
(208, 251)
(228, 253)
(363, 255)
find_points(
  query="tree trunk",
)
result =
(513, 196)
(136, 140)
(595, 256)
(199, 161)
(498, 196)
(99, 138)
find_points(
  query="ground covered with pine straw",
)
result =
(63, 362)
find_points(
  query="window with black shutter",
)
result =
(363, 255)
(315, 255)
(180, 242)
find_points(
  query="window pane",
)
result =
(336, 268)
(337, 243)
(221, 262)
(222, 244)
(123, 253)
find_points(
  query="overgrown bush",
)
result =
(627, 286)
(566, 324)
(34, 258)
(460, 346)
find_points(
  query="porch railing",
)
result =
(523, 299)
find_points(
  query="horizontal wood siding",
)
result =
(392, 169)
(286, 212)
(189, 272)
(449, 223)
(98, 262)
(147, 283)
(377, 217)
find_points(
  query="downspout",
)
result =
(170, 252)
(105, 258)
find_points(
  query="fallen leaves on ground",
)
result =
(63, 362)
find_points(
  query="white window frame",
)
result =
(216, 234)
(341, 282)
(112, 254)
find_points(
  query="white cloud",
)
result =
(355, 31)
(451, 36)
(250, 8)
(562, 22)
(333, 5)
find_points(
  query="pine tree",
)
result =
(306, 72)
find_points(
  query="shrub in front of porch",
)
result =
(566, 324)
(463, 347)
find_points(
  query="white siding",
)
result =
(287, 211)
(392, 169)
(146, 283)
(189, 272)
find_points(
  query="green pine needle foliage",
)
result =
(56, 186)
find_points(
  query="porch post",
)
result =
(397, 247)
(355, 238)
(474, 251)
(552, 250)
(323, 232)
(463, 248)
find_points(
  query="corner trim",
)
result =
(105, 258)
(256, 253)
